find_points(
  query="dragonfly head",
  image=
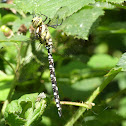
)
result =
(36, 22)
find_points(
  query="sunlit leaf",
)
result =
(80, 23)
(102, 61)
(25, 110)
(5, 84)
(115, 1)
(50, 7)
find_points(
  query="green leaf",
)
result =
(80, 23)
(102, 61)
(14, 120)
(122, 62)
(12, 114)
(8, 18)
(25, 111)
(104, 5)
(50, 7)
(87, 84)
(5, 84)
(115, 1)
(71, 67)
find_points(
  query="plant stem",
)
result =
(81, 110)
(86, 105)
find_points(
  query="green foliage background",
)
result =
(90, 62)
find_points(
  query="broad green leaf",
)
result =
(122, 62)
(80, 23)
(115, 1)
(50, 7)
(71, 67)
(25, 111)
(102, 61)
(8, 18)
(12, 113)
(5, 84)
(14, 120)
(87, 84)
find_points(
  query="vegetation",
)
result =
(90, 62)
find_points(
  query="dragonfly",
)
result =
(42, 34)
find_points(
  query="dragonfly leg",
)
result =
(55, 26)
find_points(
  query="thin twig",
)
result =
(86, 105)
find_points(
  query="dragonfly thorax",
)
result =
(37, 21)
